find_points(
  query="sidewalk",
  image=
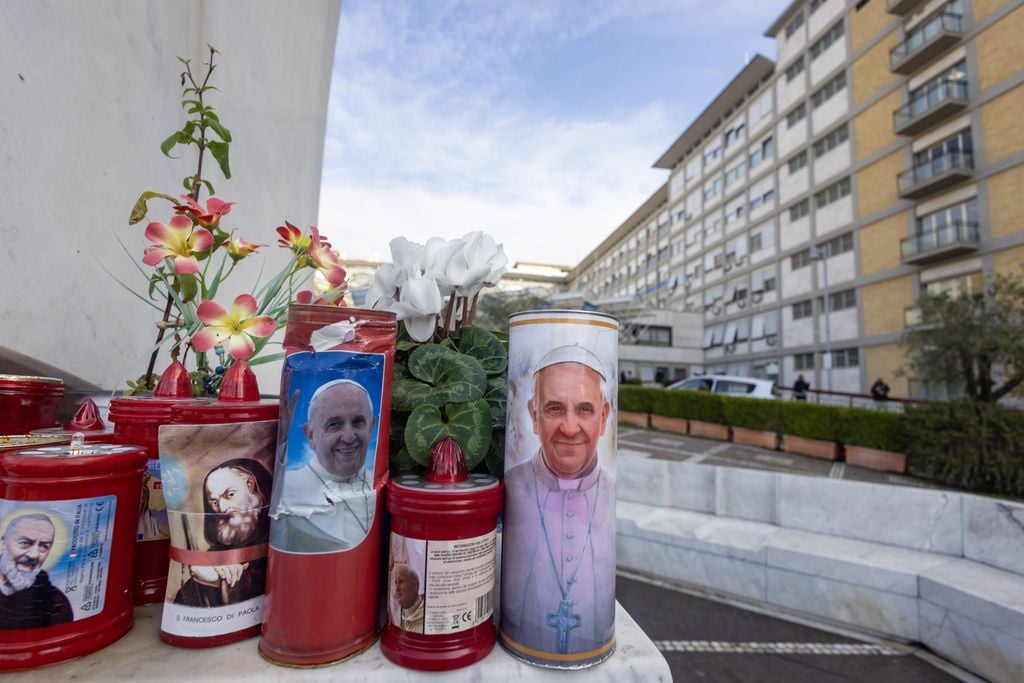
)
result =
(649, 443)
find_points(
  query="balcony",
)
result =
(926, 42)
(937, 174)
(900, 7)
(939, 102)
(954, 239)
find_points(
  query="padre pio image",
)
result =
(558, 553)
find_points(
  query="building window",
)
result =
(845, 358)
(796, 116)
(800, 259)
(734, 134)
(831, 141)
(795, 69)
(756, 241)
(799, 210)
(959, 144)
(838, 245)
(797, 162)
(735, 173)
(827, 91)
(712, 154)
(713, 189)
(839, 301)
(825, 42)
(815, 5)
(832, 193)
(653, 335)
(794, 25)
(803, 309)
(803, 361)
(765, 150)
(734, 214)
(757, 200)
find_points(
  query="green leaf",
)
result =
(468, 423)
(220, 153)
(188, 286)
(401, 462)
(496, 455)
(409, 393)
(269, 358)
(497, 399)
(220, 130)
(456, 377)
(485, 347)
(140, 209)
(167, 145)
(406, 345)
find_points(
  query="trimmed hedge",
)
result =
(636, 399)
(811, 421)
(762, 415)
(693, 405)
(873, 429)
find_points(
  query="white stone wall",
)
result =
(89, 91)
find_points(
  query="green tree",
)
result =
(972, 342)
(495, 307)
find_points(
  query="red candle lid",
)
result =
(87, 418)
(174, 382)
(174, 387)
(447, 462)
(237, 401)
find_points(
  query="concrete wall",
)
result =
(87, 93)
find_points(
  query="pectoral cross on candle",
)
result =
(563, 621)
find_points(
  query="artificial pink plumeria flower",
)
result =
(306, 297)
(238, 326)
(238, 248)
(325, 259)
(177, 240)
(209, 215)
(291, 238)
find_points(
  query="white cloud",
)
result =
(426, 135)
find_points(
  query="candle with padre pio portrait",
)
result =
(441, 565)
(558, 547)
(137, 420)
(217, 464)
(326, 512)
(67, 532)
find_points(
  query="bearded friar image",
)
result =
(27, 598)
(235, 502)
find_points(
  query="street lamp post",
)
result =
(821, 254)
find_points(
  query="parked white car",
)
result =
(731, 385)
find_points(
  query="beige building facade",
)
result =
(880, 156)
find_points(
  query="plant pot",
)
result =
(875, 459)
(754, 437)
(635, 419)
(825, 450)
(669, 424)
(709, 430)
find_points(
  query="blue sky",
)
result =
(536, 121)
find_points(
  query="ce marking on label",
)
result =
(467, 617)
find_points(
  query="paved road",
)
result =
(709, 641)
(668, 446)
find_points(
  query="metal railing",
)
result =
(922, 173)
(957, 232)
(936, 94)
(850, 400)
(943, 22)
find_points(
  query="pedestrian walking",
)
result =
(800, 387)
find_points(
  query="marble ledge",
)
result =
(142, 655)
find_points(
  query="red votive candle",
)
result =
(73, 509)
(327, 513)
(28, 403)
(87, 422)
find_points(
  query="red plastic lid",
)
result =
(74, 459)
(174, 387)
(237, 401)
(414, 495)
(18, 441)
(31, 384)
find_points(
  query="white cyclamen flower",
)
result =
(419, 307)
(481, 262)
(383, 288)
(436, 256)
(405, 257)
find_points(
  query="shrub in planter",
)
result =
(872, 429)
(760, 415)
(636, 399)
(811, 421)
(978, 446)
(693, 405)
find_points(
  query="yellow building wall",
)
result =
(1001, 50)
(871, 71)
(983, 8)
(876, 184)
(872, 129)
(883, 304)
(1001, 127)
(1006, 201)
(867, 22)
(1009, 261)
(880, 244)
(885, 361)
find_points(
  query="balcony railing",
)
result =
(955, 238)
(935, 104)
(926, 42)
(937, 174)
(900, 7)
